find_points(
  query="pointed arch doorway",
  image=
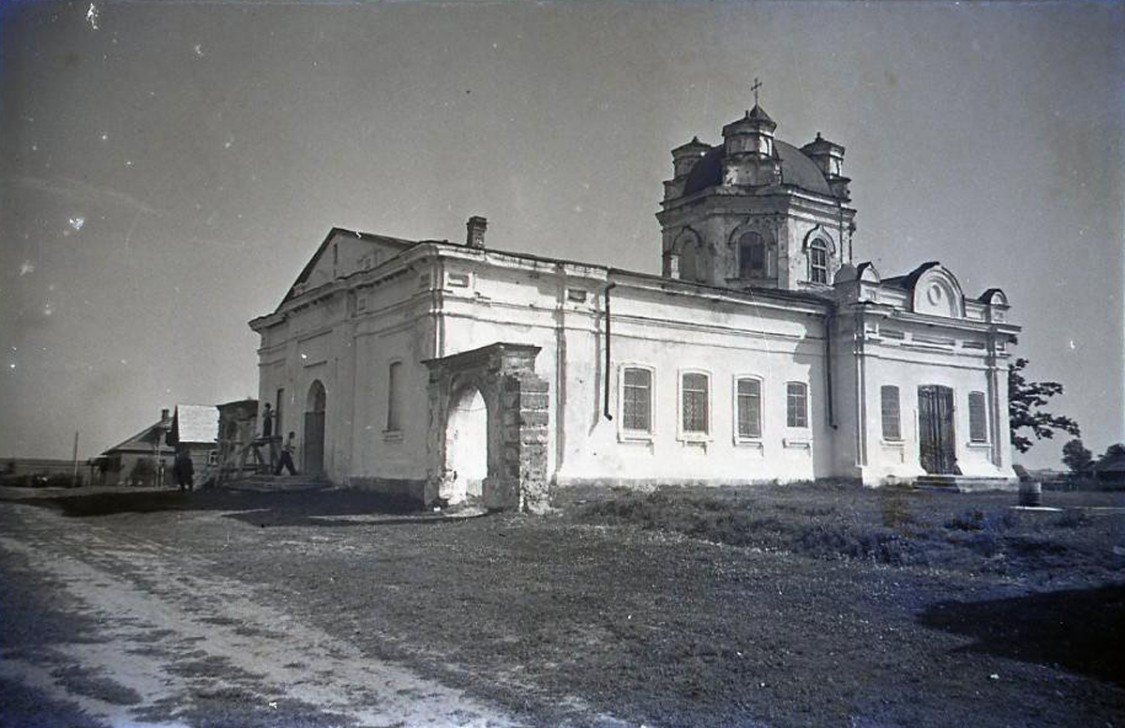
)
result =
(314, 430)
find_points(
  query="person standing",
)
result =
(183, 470)
(267, 422)
(287, 451)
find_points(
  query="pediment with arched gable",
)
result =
(867, 273)
(994, 297)
(936, 291)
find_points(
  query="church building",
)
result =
(763, 352)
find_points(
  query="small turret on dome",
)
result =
(758, 114)
(752, 134)
(829, 158)
(685, 156)
(684, 159)
(750, 155)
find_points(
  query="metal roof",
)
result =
(195, 423)
(797, 170)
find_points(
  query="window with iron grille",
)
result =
(748, 407)
(797, 404)
(636, 402)
(693, 391)
(892, 429)
(978, 418)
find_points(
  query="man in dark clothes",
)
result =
(267, 422)
(287, 451)
(183, 470)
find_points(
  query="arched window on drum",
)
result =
(753, 258)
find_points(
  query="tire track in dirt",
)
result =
(185, 639)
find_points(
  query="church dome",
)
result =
(796, 170)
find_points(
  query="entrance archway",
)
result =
(466, 447)
(315, 405)
(488, 422)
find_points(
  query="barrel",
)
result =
(1031, 494)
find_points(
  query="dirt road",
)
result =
(778, 608)
(157, 639)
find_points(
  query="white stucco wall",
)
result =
(438, 300)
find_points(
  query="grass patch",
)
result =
(894, 526)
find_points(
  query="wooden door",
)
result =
(314, 444)
(936, 443)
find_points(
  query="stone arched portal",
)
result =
(515, 400)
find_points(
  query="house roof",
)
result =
(194, 424)
(144, 440)
(802, 296)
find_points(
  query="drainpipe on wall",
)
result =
(608, 288)
(829, 322)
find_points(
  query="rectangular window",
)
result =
(749, 407)
(892, 431)
(978, 418)
(797, 404)
(636, 404)
(818, 262)
(693, 394)
(394, 397)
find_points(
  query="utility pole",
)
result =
(74, 473)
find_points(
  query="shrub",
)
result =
(978, 520)
(1072, 518)
(143, 472)
(896, 510)
(63, 480)
(973, 520)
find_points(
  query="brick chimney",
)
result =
(476, 227)
(164, 415)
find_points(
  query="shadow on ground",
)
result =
(313, 506)
(1081, 630)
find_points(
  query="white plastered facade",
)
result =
(367, 304)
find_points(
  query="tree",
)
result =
(1077, 457)
(1112, 452)
(1024, 402)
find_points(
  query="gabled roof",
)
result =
(334, 232)
(194, 424)
(144, 440)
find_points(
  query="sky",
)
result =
(168, 167)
